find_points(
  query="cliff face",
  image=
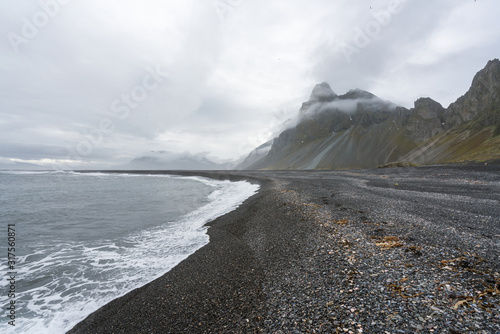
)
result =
(483, 97)
(426, 119)
(360, 130)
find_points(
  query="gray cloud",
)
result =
(104, 82)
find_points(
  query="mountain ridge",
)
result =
(165, 160)
(360, 130)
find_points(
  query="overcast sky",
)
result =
(102, 82)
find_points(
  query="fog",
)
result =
(92, 84)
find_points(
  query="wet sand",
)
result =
(398, 250)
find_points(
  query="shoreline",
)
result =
(325, 251)
(204, 287)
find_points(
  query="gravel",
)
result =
(406, 250)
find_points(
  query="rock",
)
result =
(396, 164)
(426, 119)
(483, 95)
(322, 93)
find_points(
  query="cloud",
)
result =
(233, 76)
(351, 105)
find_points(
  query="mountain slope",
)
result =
(360, 130)
(256, 155)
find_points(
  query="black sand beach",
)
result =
(371, 251)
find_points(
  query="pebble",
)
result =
(316, 284)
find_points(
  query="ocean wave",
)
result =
(97, 272)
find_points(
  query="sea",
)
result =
(71, 242)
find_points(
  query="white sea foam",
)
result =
(36, 172)
(24, 172)
(102, 271)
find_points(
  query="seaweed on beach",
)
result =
(388, 242)
(400, 289)
(342, 222)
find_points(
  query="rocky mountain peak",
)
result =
(322, 93)
(425, 120)
(360, 130)
(482, 97)
(356, 94)
(487, 81)
(427, 108)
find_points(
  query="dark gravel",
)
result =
(407, 250)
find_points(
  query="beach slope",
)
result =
(408, 249)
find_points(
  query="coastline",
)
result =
(327, 251)
(223, 277)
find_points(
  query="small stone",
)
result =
(436, 309)
(420, 327)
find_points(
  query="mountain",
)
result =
(164, 160)
(360, 130)
(256, 155)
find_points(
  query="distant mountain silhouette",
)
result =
(164, 160)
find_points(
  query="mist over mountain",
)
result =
(257, 154)
(164, 160)
(361, 130)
